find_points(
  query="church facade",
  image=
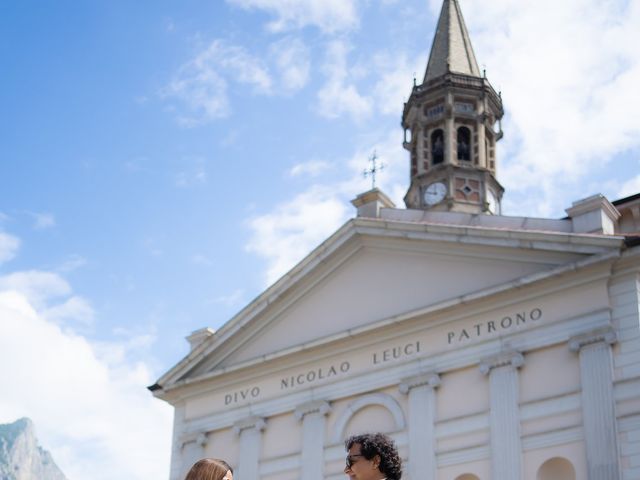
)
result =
(489, 347)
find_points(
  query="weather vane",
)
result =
(373, 169)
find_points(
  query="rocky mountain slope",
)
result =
(21, 458)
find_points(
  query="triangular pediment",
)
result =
(369, 272)
(374, 284)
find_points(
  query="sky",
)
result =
(163, 162)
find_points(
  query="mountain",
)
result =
(21, 458)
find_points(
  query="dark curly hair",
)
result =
(372, 444)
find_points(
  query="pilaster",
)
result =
(420, 147)
(482, 153)
(313, 418)
(176, 445)
(598, 404)
(506, 444)
(422, 416)
(250, 432)
(449, 128)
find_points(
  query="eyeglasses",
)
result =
(350, 459)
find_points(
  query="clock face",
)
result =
(435, 193)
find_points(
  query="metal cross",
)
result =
(373, 169)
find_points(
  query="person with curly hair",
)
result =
(210, 469)
(372, 456)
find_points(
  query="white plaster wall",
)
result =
(376, 284)
(573, 452)
(294, 475)
(624, 292)
(550, 422)
(335, 469)
(480, 469)
(223, 444)
(198, 405)
(373, 418)
(191, 453)
(337, 409)
(462, 392)
(464, 440)
(549, 372)
(275, 442)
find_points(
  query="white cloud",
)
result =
(330, 16)
(98, 420)
(38, 287)
(311, 168)
(201, 83)
(570, 89)
(74, 309)
(200, 259)
(71, 263)
(196, 174)
(394, 80)
(234, 298)
(151, 247)
(292, 229)
(43, 220)
(630, 187)
(292, 59)
(9, 246)
(340, 95)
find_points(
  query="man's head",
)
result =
(372, 456)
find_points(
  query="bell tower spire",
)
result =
(451, 50)
(451, 118)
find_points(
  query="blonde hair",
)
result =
(209, 469)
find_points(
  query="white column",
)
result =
(598, 404)
(250, 431)
(193, 447)
(177, 443)
(312, 416)
(422, 417)
(506, 446)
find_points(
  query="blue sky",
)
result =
(162, 162)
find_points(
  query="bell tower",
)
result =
(450, 127)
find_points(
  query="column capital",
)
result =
(601, 335)
(258, 423)
(507, 359)
(319, 406)
(202, 439)
(199, 438)
(428, 379)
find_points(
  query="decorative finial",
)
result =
(415, 82)
(373, 169)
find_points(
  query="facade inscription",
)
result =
(314, 375)
(395, 353)
(492, 326)
(382, 355)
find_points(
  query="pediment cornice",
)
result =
(177, 378)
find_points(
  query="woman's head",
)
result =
(210, 469)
